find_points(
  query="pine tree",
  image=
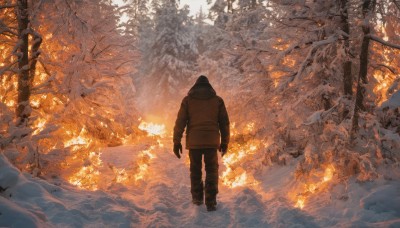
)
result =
(169, 58)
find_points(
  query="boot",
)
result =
(211, 196)
(197, 193)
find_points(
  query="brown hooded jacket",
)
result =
(204, 115)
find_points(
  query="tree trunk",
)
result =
(253, 4)
(362, 76)
(23, 110)
(347, 76)
(230, 6)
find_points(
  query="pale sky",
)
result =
(194, 5)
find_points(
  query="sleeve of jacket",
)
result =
(181, 121)
(223, 121)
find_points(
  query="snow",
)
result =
(162, 199)
(393, 102)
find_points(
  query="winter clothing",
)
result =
(223, 149)
(202, 79)
(205, 116)
(211, 167)
(206, 120)
(178, 150)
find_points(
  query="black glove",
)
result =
(178, 149)
(223, 148)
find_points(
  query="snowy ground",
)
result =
(163, 200)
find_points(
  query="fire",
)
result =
(329, 173)
(153, 129)
(143, 163)
(88, 176)
(234, 179)
(385, 76)
(313, 188)
(300, 202)
(39, 125)
(234, 175)
(121, 176)
(79, 140)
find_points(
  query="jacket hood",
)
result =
(202, 89)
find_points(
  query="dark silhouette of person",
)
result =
(206, 120)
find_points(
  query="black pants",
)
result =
(211, 167)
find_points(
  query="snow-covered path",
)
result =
(162, 199)
(165, 200)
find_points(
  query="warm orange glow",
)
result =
(300, 202)
(153, 129)
(385, 78)
(79, 140)
(143, 163)
(121, 176)
(10, 103)
(39, 125)
(314, 187)
(280, 44)
(234, 175)
(88, 176)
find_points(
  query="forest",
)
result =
(90, 90)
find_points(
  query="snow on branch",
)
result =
(314, 48)
(380, 40)
(288, 50)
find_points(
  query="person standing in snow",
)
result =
(206, 120)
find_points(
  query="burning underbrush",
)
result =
(90, 174)
(240, 156)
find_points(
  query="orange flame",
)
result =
(234, 175)
(313, 188)
(88, 176)
(143, 163)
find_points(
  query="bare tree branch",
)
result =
(385, 66)
(8, 6)
(397, 4)
(128, 61)
(7, 68)
(380, 40)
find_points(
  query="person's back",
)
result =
(204, 115)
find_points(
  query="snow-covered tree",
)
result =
(301, 55)
(82, 93)
(169, 57)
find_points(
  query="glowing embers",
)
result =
(314, 187)
(88, 176)
(153, 129)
